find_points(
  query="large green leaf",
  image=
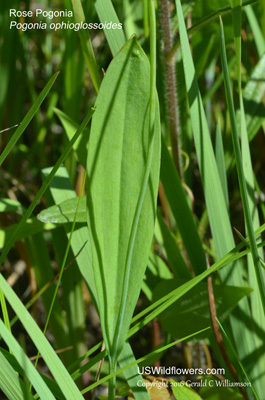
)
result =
(117, 158)
(191, 312)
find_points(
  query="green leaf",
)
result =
(183, 392)
(8, 205)
(173, 253)
(220, 161)
(65, 212)
(181, 211)
(131, 374)
(86, 45)
(70, 126)
(236, 3)
(231, 349)
(117, 157)
(107, 13)
(257, 32)
(191, 311)
(34, 108)
(31, 227)
(253, 94)
(156, 270)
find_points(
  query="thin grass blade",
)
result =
(32, 374)
(106, 13)
(27, 119)
(240, 171)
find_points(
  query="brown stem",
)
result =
(171, 86)
(103, 347)
(218, 335)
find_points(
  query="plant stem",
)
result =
(171, 86)
(112, 381)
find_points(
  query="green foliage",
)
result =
(119, 148)
(192, 309)
(114, 244)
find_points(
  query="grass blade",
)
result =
(32, 374)
(206, 21)
(257, 32)
(220, 160)
(27, 119)
(44, 187)
(10, 383)
(233, 351)
(42, 344)
(106, 13)
(240, 171)
(138, 361)
(181, 211)
(86, 45)
(214, 197)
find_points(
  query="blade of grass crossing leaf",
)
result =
(106, 13)
(32, 374)
(240, 171)
(27, 119)
(237, 358)
(86, 45)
